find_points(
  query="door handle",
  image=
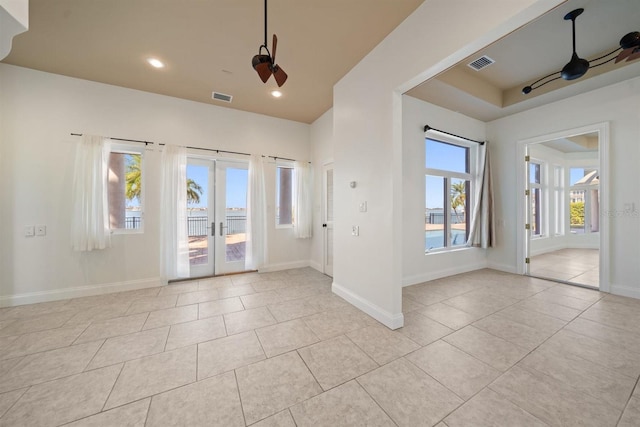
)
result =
(213, 229)
(324, 225)
(222, 227)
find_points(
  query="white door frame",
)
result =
(327, 265)
(521, 175)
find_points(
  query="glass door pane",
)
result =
(231, 216)
(200, 173)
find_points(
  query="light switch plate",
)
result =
(363, 207)
(355, 230)
(29, 231)
(41, 230)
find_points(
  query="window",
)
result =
(584, 195)
(536, 189)
(448, 176)
(124, 188)
(284, 195)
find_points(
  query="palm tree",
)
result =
(134, 185)
(458, 197)
(193, 191)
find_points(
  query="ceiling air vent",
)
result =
(221, 97)
(480, 63)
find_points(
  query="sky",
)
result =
(236, 186)
(441, 156)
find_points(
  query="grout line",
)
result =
(235, 376)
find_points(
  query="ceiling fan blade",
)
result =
(624, 54)
(279, 75)
(264, 71)
(634, 55)
(273, 47)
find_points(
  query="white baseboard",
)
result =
(77, 292)
(316, 266)
(438, 274)
(391, 321)
(284, 266)
(507, 268)
(625, 291)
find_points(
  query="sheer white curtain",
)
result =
(255, 252)
(303, 200)
(174, 241)
(482, 232)
(90, 216)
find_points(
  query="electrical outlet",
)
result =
(355, 230)
(29, 231)
(41, 230)
(363, 207)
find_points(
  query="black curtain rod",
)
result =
(192, 148)
(427, 127)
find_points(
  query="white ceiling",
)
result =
(207, 46)
(533, 51)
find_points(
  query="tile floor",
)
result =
(278, 349)
(573, 265)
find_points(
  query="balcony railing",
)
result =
(197, 225)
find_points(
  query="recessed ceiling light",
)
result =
(155, 63)
(276, 93)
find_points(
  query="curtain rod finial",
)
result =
(427, 127)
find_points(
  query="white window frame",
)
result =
(284, 164)
(121, 148)
(471, 176)
(543, 186)
(559, 199)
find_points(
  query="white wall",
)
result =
(367, 115)
(321, 154)
(40, 110)
(616, 104)
(416, 266)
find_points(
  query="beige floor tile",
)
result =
(336, 361)
(449, 316)
(262, 299)
(137, 293)
(235, 291)
(423, 294)
(98, 313)
(131, 415)
(286, 336)
(302, 291)
(493, 351)
(294, 309)
(272, 385)
(480, 303)
(150, 375)
(608, 355)
(533, 319)
(453, 368)
(621, 319)
(8, 399)
(39, 341)
(195, 332)
(332, 323)
(281, 419)
(409, 305)
(577, 292)
(421, 329)
(49, 365)
(225, 354)
(128, 347)
(197, 297)
(36, 324)
(517, 333)
(327, 302)
(549, 308)
(218, 307)
(606, 334)
(269, 285)
(178, 288)
(489, 409)
(35, 310)
(631, 414)
(243, 321)
(584, 376)
(565, 300)
(146, 304)
(553, 402)
(8, 364)
(171, 316)
(346, 405)
(382, 344)
(408, 395)
(213, 283)
(210, 402)
(113, 327)
(248, 278)
(73, 397)
(515, 290)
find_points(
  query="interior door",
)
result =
(230, 216)
(327, 218)
(529, 201)
(200, 216)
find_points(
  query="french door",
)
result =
(216, 215)
(327, 218)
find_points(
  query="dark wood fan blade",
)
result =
(273, 47)
(264, 71)
(634, 55)
(624, 54)
(279, 75)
